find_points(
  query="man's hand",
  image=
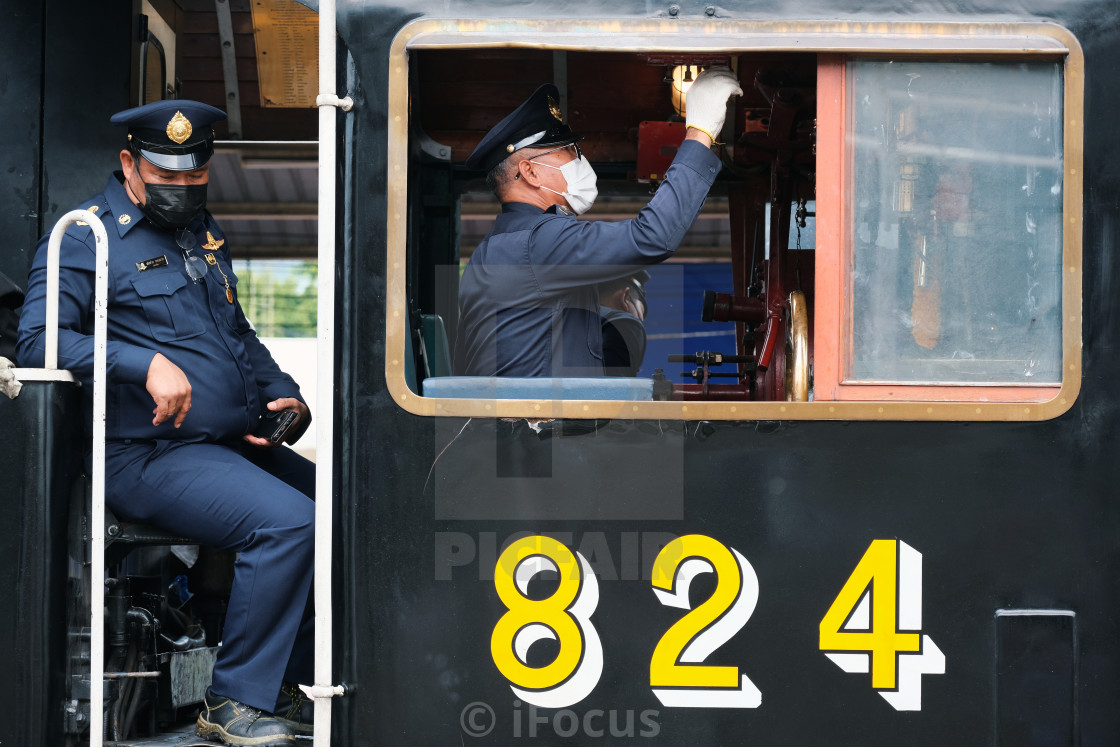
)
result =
(707, 100)
(297, 428)
(630, 306)
(170, 390)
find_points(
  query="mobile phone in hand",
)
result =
(274, 424)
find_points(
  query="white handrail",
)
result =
(327, 101)
(97, 509)
(54, 246)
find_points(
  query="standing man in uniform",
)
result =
(188, 381)
(528, 303)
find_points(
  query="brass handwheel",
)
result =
(797, 349)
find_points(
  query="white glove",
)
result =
(707, 100)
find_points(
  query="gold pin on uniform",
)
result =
(212, 260)
(92, 209)
(212, 243)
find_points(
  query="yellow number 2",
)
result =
(874, 625)
(677, 672)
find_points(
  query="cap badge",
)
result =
(554, 108)
(179, 128)
(212, 243)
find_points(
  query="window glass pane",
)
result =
(956, 222)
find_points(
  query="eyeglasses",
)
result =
(196, 266)
(579, 153)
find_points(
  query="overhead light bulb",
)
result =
(682, 81)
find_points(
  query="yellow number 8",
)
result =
(563, 616)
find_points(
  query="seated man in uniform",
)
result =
(188, 381)
(528, 303)
(622, 305)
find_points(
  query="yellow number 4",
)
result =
(874, 624)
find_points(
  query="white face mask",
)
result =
(581, 179)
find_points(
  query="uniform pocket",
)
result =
(167, 306)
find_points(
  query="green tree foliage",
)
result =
(279, 296)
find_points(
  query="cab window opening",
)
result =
(898, 220)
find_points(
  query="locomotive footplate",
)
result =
(183, 738)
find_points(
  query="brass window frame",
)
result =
(915, 40)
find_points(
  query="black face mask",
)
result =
(173, 206)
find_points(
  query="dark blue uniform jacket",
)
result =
(154, 306)
(527, 299)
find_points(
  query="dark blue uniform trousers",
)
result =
(257, 502)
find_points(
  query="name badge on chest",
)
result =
(148, 264)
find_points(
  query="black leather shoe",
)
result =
(227, 721)
(296, 709)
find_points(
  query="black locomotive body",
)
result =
(886, 516)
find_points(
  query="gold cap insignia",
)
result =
(554, 108)
(125, 219)
(212, 243)
(179, 128)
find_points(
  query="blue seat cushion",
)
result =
(532, 387)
